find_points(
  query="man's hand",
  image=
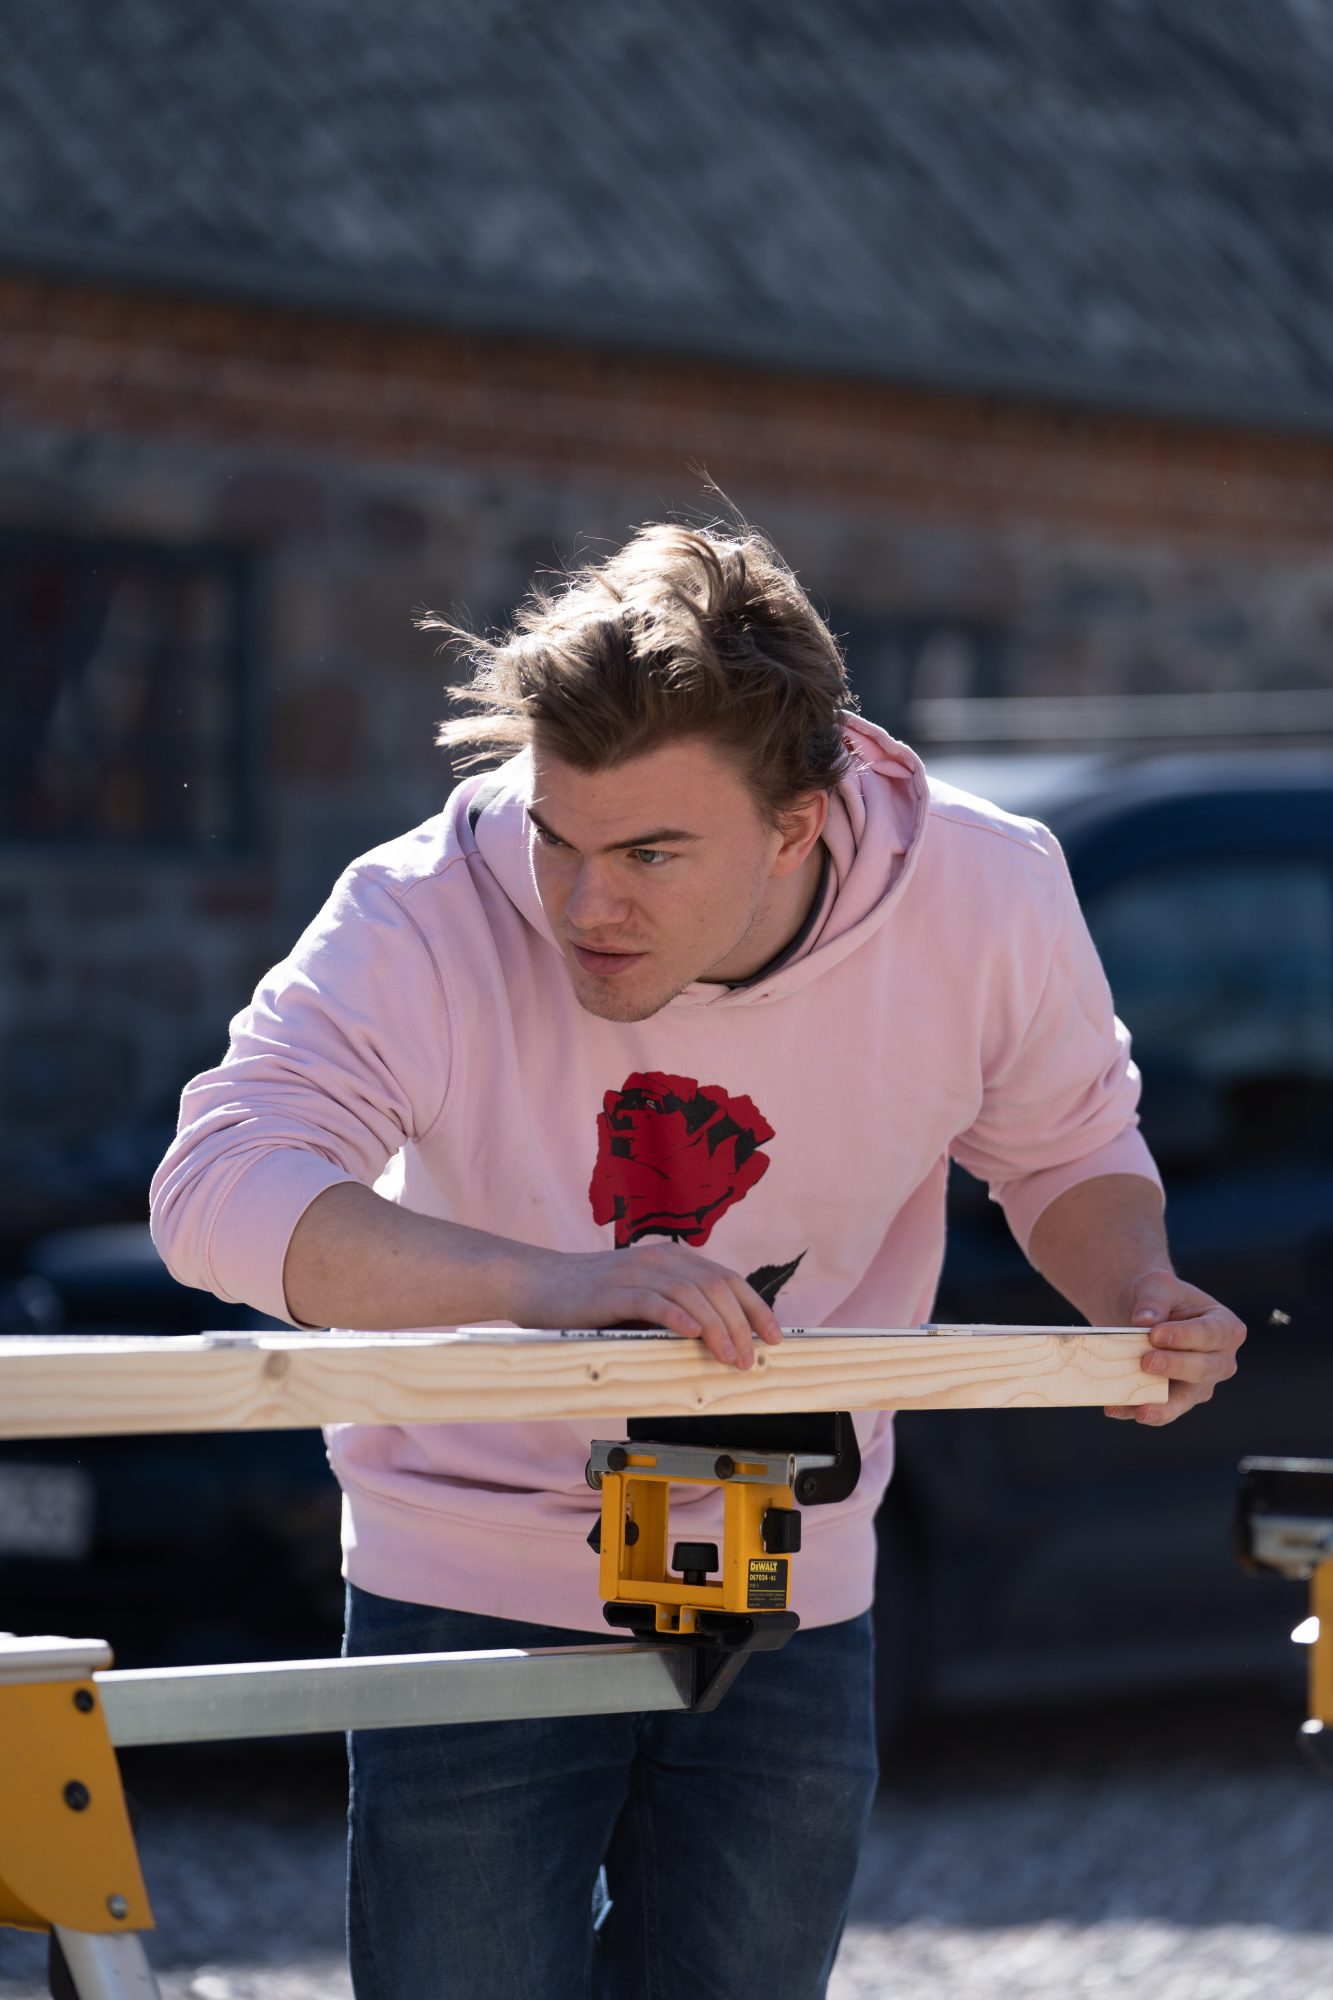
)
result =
(1102, 1244)
(1194, 1343)
(356, 1259)
(654, 1284)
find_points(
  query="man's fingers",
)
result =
(703, 1301)
(1181, 1367)
(1192, 1342)
(659, 1309)
(1210, 1333)
(1181, 1397)
(729, 1310)
(717, 1336)
(1144, 1413)
(1156, 1296)
(1183, 1393)
(762, 1318)
(689, 1315)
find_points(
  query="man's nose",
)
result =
(595, 900)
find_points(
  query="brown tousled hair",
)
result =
(683, 632)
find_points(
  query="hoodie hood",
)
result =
(877, 820)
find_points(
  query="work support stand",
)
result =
(68, 1861)
(1284, 1522)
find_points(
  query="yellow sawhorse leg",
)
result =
(68, 1862)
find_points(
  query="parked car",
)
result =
(1040, 1553)
(1024, 1553)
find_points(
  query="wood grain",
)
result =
(208, 1382)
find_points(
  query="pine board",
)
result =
(206, 1382)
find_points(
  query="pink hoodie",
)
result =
(423, 1036)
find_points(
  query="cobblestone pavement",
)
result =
(1180, 1853)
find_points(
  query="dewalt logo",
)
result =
(767, 1583)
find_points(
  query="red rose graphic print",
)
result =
(674, 1155)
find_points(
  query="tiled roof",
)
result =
(1125, 200)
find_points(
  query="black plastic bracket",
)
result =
(718, 1647)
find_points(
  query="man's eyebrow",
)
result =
(660, 836)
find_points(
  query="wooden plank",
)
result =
(207, 1382)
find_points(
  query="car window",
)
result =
(1223, 971)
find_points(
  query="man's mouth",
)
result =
(606, 962)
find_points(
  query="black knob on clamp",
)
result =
(780, 1531)
(696, 1560)
(595, 1534)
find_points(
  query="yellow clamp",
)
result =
(760, 1533)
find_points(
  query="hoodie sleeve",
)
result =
(340, 1059)
(1060, 1093)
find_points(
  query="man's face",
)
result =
(654, 873)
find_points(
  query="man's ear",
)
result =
(800, 827)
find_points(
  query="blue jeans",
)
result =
(729, 1839)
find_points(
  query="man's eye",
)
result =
(651, 857)
(546, 838)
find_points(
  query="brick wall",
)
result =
(372, 470)
(89, 361)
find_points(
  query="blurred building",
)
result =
(1010, 324)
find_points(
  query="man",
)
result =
(678, 1018)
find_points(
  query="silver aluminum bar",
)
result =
(47, 1658)
(111, 1966)
(391, 1691)
(516, 1335)
(686, 1461)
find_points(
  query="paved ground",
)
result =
(1182, 1855)
(1173, 1853)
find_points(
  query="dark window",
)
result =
(123, 694)
(1223, 971)
(897, 661)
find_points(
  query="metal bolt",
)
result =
(77, 1796)
(724, 1467)
(83, 1701)
(617, 1458)
(117, 1906)
(807, 1487)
